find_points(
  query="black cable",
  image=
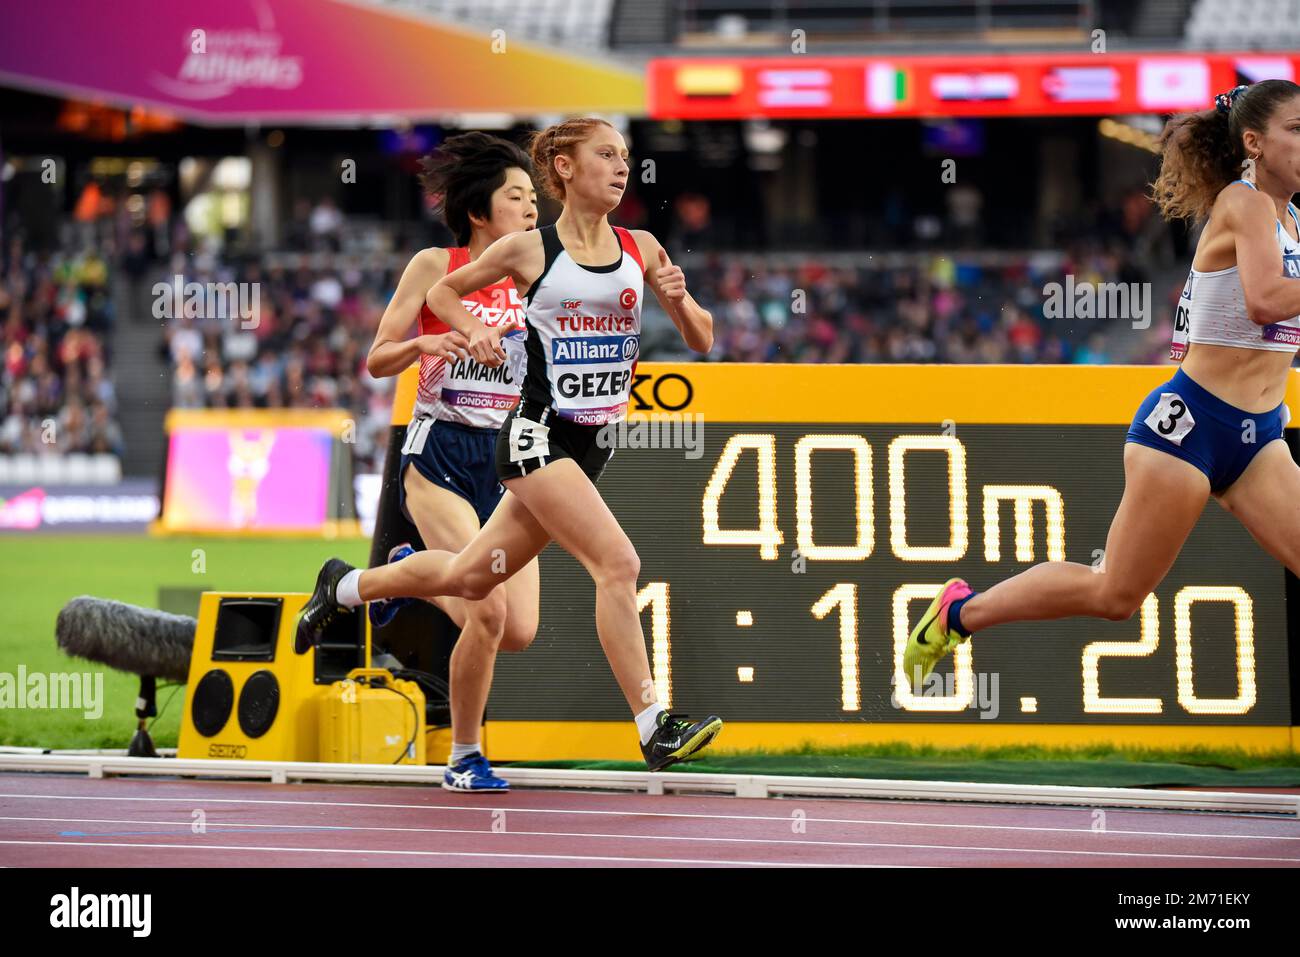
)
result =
(177, 686)
(424, 678)
(436, 692)
(415, 712)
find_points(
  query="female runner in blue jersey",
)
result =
(585, 282)
(1215, 428)
(448, 483)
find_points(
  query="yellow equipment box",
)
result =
(372, 718)
(249, 697)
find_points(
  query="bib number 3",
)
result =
(528, 440)
(1171, 419)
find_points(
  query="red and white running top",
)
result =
(466, 391)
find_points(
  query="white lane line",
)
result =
(670, 837)
(341, 850)
(1024, 807)
(192, 800)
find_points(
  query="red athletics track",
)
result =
(57, 820)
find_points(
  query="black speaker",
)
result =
(211, 702)
(259, 701)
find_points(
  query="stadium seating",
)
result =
(73, 469)
(567, 23)
(738, 20)
(1244, 24)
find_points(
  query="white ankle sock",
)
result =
(648, 720)
(461, 751)
(348, 594)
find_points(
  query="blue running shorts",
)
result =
(1184, 420)
(459, 458)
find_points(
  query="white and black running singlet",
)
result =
(583, 332)
(1212, 308)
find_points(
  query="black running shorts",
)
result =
(533, 436)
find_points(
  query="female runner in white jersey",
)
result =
(1216, 427)
(585, 283)
(448, 481)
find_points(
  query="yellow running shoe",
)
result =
(931, 639)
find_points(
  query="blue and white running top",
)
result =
(584, 332)
(1212, 308)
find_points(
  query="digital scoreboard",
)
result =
(793, 522)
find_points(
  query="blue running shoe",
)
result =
(383, 611)
(473, 773)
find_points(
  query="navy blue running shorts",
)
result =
(1184, 420)
(459, 458)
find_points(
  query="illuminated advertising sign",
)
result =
(940, 86)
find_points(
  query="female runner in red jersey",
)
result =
(585, 281)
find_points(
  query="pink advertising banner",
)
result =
(239, 479)
(235, 61)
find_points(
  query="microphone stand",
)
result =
(146, 706)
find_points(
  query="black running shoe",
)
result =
(322, 607)
(678, 737)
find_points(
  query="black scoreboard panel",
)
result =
(782, 569)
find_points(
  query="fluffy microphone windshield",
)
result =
(141, 641)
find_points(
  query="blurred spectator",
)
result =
(56, 396)
(187, 388)
(298, 232)
(105, 434)
(326, 225)
(952, 311)
(965, 204)
(694, 217)
(306, 347)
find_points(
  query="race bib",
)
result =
(416, 435)
(516, 358)
(1182, 327)
(1171, 419)
(528, 439)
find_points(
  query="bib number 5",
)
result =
(1171, 419)
(528, 440)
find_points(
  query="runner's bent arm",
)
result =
(517, 257)
(1252, 218)
(392, 351)
(693, 321)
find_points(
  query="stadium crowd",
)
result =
(303, 345)
(947, 309)
(316, 306)
(56, 392)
